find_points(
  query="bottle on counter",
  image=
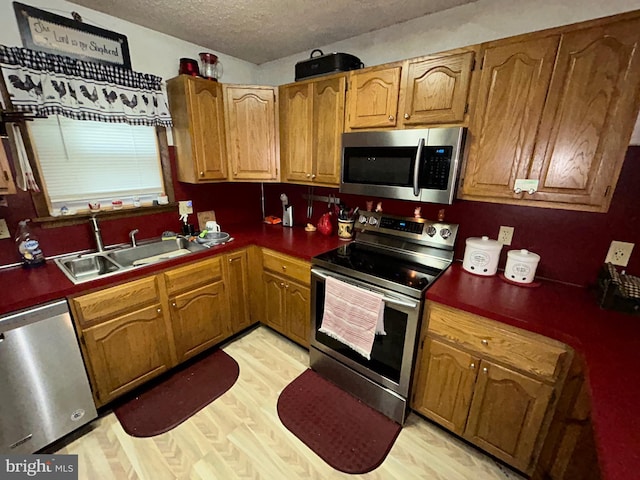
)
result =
(28, 246)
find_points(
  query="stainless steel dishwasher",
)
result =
(44, 390)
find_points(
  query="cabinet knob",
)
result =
(472, 366)
(407, 116)
(517, 190)
(308, 175)
(484, 341)
(531, 191)
(485, 370)
(230, 260)
(235, 174)
(286, 285)
(173, 304)
(391, 118)
(202, 174)
(159, 310)
(284, 267)
(313, 176)
(282, 284)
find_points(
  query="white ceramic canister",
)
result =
(481, 255)
(521, 266)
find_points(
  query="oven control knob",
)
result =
(445, 233)
(431, 231)
(373, 221)
(362, 219)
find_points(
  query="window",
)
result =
(83, 162)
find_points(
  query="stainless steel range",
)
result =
(397, 258)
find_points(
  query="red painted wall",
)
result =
(572, 245)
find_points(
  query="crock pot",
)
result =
(481, 255)
(521, 266)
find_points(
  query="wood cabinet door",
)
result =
(328, 125)
(237, 281)
(507, 412)
(274, 300)
(251, 135)
(435, 90)
(444, 387)
(207, 129)
(6, 179)
(297, 312)
(373, 98)
(589, 115)
(296, 135)
(513, 86)
(126, 352)
(200, 319)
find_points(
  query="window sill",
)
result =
(82, 217)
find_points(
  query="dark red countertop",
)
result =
(608, 341)
(22, 288)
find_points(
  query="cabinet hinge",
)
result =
(466, 108)
(422, 344)
(481, 63)
(606, 192)
(473, 64)
(6, 175)
(82, 340)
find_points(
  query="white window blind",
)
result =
(97, 162)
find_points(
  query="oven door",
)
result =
(392, 354)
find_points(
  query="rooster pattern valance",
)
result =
(46, 84)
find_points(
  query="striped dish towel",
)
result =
(352, 315)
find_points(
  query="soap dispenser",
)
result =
(28, 246)
(287, 211)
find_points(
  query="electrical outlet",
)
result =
(619, 253)
(505, 235)
(185, 207)
(4, 230)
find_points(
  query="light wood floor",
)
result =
(239, 435)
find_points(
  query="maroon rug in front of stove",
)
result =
(347, 434)
(165, 405)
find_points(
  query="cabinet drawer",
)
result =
(196, 274)
(286, 265)
(111, 301)
(524, 350)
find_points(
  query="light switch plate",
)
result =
(185, 207)
(4, 230)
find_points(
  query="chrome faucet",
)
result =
(97, 234)
(132, 236)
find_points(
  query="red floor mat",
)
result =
(347, 434)
(165, 405)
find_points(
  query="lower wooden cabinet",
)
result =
(133, 332)
(287, 294)
(126, 351)
(468, 381)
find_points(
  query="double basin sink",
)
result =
(90, 266)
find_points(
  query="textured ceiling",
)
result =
(263, 30)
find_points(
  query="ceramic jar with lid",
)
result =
(521, 266)
(481, 255)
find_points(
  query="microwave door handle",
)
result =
(392, 301)
(416, 168)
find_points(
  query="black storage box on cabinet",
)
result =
(325, 64)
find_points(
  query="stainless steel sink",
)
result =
(87, 267)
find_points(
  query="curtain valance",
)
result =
(47, 84)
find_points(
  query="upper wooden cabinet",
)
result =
(311, 123)
(558, 110)
(198, 128)
(6, 179)
(252, 140)
(372, 101)
(422, 91)
(435, 90)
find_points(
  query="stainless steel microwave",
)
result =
(420, 165)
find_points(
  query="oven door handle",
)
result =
(392, 301)
(416, 168)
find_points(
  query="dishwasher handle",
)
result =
(386, 299)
